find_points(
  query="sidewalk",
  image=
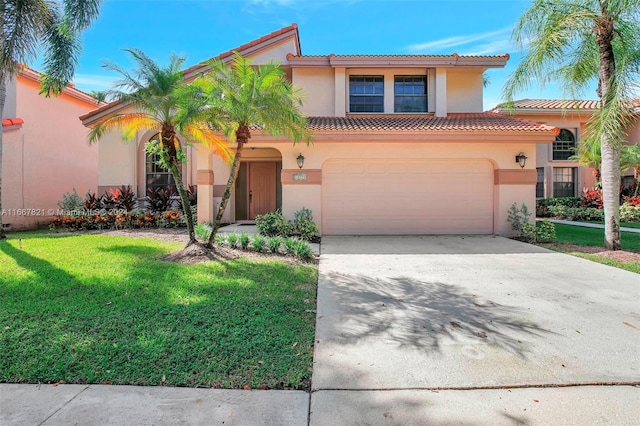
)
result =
(60, 405)
(587, 225)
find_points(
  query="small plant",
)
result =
(303, 250)
(220, 239)
(93, 201)
(592, 197)
(159, 199)
(272, 223)
(192, 195)
(545, 232)
(290, 245)
(303, 224)
(518, 217)
(259, 243)
(274, 244)
(629, 213)
(244, 240)
(232, 239)
(71, 202)
(123, 198)
(203, 231)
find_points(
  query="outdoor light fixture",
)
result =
(521, 159)
(300, 160)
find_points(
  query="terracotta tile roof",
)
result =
(552, 104)
(249, 45)
(6, 122)
(71, 89)
(477, 122)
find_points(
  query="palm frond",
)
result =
(209, 138)
(129, 124)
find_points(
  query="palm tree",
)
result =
(242, 96)
(165, 104)
(588, 155)
(27, 25)
(630, 159)
(575, 42)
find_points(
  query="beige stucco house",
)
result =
(557, 176)
(45, 150)
(401, 146)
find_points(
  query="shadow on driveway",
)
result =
(422, 314)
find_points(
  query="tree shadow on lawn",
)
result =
(423, 314)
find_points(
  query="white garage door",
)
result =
(378, 197)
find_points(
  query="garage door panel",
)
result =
(407, 197)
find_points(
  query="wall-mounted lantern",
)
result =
(300, 160)
(521, 159)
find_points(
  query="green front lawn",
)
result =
(104, 309)
(581, 236)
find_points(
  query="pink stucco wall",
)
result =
(47, 156)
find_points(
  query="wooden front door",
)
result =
(262, 188)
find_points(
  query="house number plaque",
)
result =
(299, 176)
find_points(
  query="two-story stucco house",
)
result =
(557, 175)
(401, 146)
(45, 150)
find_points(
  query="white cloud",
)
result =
(499, 38)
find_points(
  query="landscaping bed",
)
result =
(105, 308)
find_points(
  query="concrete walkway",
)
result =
(589, 225)
(63, 405)
(472, 330)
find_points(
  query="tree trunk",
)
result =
(242, 136)
(3, 97)
(609, 145)
(177, 177)
(168, 140)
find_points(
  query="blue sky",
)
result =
(200, 29)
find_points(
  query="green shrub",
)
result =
(259, 242)
(518, 217)
(290, 245)
(244, 240)
(203, 231)
(629, 213)
(303, 250)
(545, 232)
(232, 239)
(71, 202)
(274, 244)
(272, 223)
(543, 204)
(590, 214)
(303, 224)
(220, 239)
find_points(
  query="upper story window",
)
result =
(564, 145)
(410, 93)
(366, 93)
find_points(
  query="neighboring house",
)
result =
(557, 176)
(401, 146)
(45, 150)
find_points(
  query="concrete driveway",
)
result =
(472, 330)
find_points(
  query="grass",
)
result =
(623, 224)
(105, 309)
(581, 236)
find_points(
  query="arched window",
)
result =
(565, 145)
(155, 175)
